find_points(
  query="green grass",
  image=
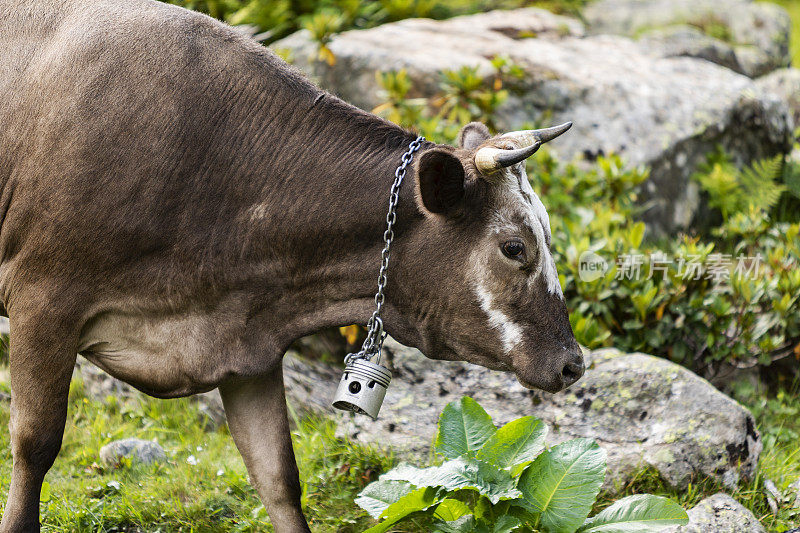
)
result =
(211, 495)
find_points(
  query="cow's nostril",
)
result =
(572, 372)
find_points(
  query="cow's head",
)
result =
(478, 277)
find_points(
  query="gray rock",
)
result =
(757, 32)
(98, 385)
(653, 412)
(785, 84)
(142, 451)
(310, 385)
(209, 404)
(424, 48)
(643, 410)
(719, 514)
(682, 40)
(664, 112)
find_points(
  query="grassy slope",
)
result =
(211, 495)
(214, 494)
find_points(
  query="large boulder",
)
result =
(756, 33)
(785, 84)
(665, 112)
(719, 514)
(682, 40)
(645, 411)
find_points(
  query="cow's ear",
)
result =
(473, 135)
(440, 176)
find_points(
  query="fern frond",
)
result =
(792, 179)
(760, 183)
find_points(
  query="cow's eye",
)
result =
(514, 250)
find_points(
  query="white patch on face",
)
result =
(539, 220)
(510, 332)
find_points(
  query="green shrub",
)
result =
(465, 96)
(502, 480)
(732, 190)
(730, 296)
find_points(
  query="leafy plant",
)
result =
(503, 480)
(323, 25)
(465, 95)
(735, 191)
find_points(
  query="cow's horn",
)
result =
(528, 137)
(489, 159)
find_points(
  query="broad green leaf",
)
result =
(562, 484)
(637, 234)
(506, 524)
(44, 496)
(483, 508)
(379, 495)
(520, 510)
(450, 510)
(642, 513)
(516, 443)
(457, 474)
(463, 428)
(465, 524)
(417, 500)
(469, 524)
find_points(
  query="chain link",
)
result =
(375, 334)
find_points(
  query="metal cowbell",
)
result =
(362, 388)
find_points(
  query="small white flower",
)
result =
(192, 460)
(220, 472)
(116, 485)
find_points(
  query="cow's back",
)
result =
(79, 68)
(124, 128)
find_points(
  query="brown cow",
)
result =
(178, 205)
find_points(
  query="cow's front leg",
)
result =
(256, 412)
(41, 364)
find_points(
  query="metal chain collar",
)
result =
(375, 334)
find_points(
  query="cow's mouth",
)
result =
(552, 385)
(552, 378)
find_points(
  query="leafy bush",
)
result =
(465, 96)
(728, 297)
(771, 185)
(502, 480)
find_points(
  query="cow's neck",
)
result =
(322, 214)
